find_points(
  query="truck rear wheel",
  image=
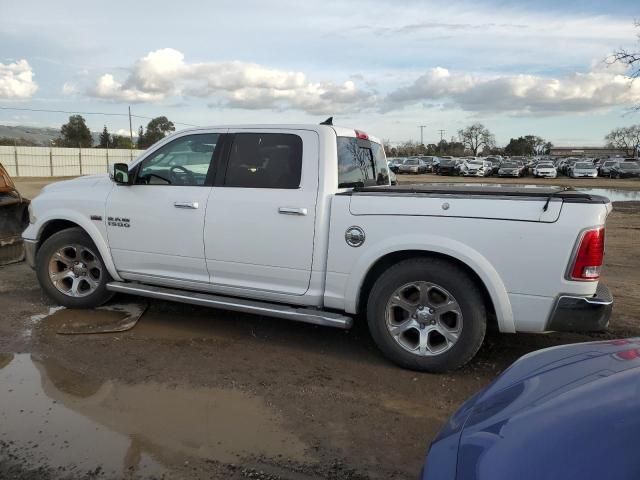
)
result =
(71, 271)
(427, 314)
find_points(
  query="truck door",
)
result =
(155, 226)
(260, 219)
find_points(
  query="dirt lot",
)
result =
(199, 393)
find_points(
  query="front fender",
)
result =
(34, 232)
(435, 244)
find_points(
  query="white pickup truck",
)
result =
(300, 222)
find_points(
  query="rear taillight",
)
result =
(589, 256)
(361, 135)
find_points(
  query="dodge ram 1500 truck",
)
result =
(300, 222)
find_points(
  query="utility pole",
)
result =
(130, 132)
(442, 132)
(422, 127)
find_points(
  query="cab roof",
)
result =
(339, 131)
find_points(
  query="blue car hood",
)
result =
(565, 412)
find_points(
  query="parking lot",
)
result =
(192, 392)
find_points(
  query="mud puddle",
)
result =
(54, 418)
(112, 318)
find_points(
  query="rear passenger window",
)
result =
(264, 160)
(361, 163)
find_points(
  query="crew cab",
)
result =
(300, 222)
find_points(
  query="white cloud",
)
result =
(16, 80)
(529, 94)
(164, 73)
(69, 88)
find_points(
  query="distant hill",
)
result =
(42, 136)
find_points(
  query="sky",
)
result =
(382, 66)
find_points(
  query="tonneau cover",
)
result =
(497, 190)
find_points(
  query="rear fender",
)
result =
(434, 244)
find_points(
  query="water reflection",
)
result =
(614, 194)
(67, 419)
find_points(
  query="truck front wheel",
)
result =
(70, 270)
(427, 314)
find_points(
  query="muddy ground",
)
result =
(192, 392)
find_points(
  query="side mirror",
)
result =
(121, 174)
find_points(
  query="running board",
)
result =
(298, 314)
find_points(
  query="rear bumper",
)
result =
(30, 252)
(582, 314)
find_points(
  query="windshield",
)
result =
(545, 165)
(447, 163)
(509, 165)
(584, 166)
(361, 163)
(411, 161)
(630, 166)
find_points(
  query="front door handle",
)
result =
(191, 205)
(292, 211)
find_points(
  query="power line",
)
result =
(442, 132)
(89, 113)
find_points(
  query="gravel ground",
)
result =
(199, 393)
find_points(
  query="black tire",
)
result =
(57, 241)
(452, 278)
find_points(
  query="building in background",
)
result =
(586, 152)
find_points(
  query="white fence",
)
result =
(61, 162)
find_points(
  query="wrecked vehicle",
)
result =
(301, 222)
(14, 218)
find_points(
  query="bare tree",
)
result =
(625, 138)
(475, 137)
(628, 58)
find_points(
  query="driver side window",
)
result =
(184, 162)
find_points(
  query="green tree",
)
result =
(18, 142)
(75, 133)
(105, 138)
(527, 145)
(140, 140)
(518, 147)
(121, 141)
(475, 137)
(157, 129)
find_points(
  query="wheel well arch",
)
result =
(54, 226)
(384, 262)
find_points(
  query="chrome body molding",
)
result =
(298, 314)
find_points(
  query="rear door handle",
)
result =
(292, 211)
(191, 205)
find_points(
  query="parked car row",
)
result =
(544, 167)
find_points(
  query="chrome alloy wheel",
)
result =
(424, 318)
(75, 270)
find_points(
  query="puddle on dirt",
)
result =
(36, 319)
(614, 194)
(58, 418)
(112, 318)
